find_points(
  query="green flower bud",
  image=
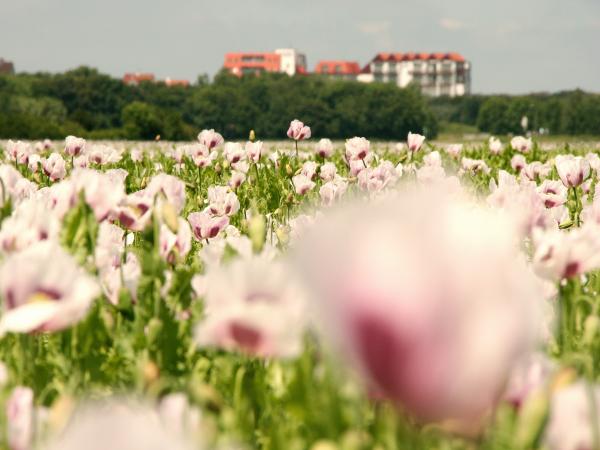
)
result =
(257, 229)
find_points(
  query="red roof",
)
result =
(338, 67)
(136, 78)
(171, 82)
(397, 57)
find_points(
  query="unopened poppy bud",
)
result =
(257, 228)
(563, 378)
(150, 372)
(324, 445)
(532, 419)
(157, 138)
(218, 168)
(169, 216)
(590, 329)
(60, 413)
(283, 235)
(153, 329)
(252, 136)
(288, 170)
(107, 318)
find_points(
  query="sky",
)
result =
(515, 46)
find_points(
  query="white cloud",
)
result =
(450, 24)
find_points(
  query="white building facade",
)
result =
(437, 74)
(292, 61)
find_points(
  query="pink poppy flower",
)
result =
(43, 289)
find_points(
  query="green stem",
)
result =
(577, 209)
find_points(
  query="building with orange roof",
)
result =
(134, 79)
(283, 60)
(6, 67)
(437, 74)
(343, 70)
(171, 82)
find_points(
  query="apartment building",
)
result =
(343, 70)
(436, 73)
(283, 60)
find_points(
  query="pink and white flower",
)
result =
(388, 299)
(206, 226)
(20, 419)
(55, 167)
(566, 254)
(302, 184)
(573, 418)
(236, 180)
(454, 150)
(309, 169)
(414, 142)
(298, 131)
(495, 145)
(521, 144)
(222, 201)
(175, 246)
(253, 306)
(572, 170)
(553, 193)
(254, 151)
(518, 163)
(234, 152)
(328, 171)
(324, 148)
(210, 138)
(29, 223)
(357, 149)
(43, 289)
(74, 145)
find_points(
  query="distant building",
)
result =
(291, 61)
(172, 82)
(6, 67)
(286, 60)
(134, 79)
(436, 73)
(345, 70)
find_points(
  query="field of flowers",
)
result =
(300, 294)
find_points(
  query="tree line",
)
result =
(569, 113)
(87, 103)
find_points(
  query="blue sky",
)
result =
(515, 46)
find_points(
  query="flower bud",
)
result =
(257, 229)
(168, 215)
(252, 136)
(288, 170)
(324, 445)
(150, 372)
(532, 419)
(153, 329)
(283, 235)
(590, 329)
(563, 378)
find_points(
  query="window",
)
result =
(253, 58)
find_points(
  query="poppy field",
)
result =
(299, 294)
